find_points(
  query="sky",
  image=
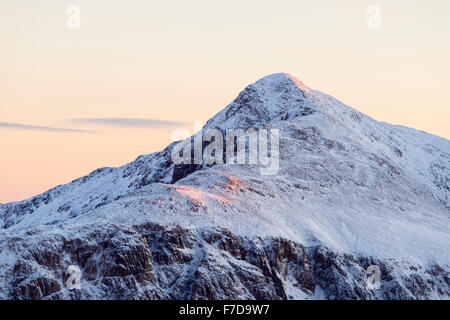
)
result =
(73, 100)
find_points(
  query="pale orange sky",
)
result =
(183, 61)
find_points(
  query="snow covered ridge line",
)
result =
(357, 210)
(231, 146)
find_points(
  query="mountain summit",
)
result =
(277, 96)
(351, 195)
(277, 81)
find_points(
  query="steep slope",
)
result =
(350, 192)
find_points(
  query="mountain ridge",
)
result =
(349, 189)
(283, 75)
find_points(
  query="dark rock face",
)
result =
(152, 261)
(181, 171)
(36, 289)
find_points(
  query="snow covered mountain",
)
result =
(350, 193)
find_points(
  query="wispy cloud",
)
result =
(128, 122)
(21, 126)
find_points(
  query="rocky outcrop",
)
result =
(152, 261)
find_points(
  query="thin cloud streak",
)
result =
(128, 122)
(20, 126)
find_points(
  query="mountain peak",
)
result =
(279, 96)
(277, 79)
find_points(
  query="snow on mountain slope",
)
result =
(348, 189)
